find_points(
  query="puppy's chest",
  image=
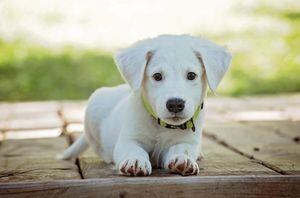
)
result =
(161, 139)
(159, 145)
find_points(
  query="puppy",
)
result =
(156, 119)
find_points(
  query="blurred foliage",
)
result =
(263, 62)
(36, 73)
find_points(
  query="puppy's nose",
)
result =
(175, 105)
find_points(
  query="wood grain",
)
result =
(34, 160)
(197, 186)
(240, 158)
(258, 108)
(263, 144)
(24, 109)
(36, 121)
(219, 160)
(285, 129)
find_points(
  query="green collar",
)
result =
(187, 125)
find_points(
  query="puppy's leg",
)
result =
(131, 159)
(181, 158)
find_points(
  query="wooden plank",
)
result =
(293, 112)
(1, 137)
(194, 186)
(257, 115)
(218, 160)
(73, 112)
(44, 147)
(262, 103)
(43, 121)
(30, 134)
(25, 109)
(259, 143)
(74, 128)
(286, 129)
(259, 108)
(281, 101)
(91, 165)
(29, 115)
(34, 160)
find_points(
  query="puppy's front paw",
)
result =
(135, 167)
(183, 165)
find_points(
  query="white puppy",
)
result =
(157, 118)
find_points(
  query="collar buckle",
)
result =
(182, 126)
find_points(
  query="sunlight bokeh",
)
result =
(110, 24)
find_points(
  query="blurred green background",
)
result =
(264, 61)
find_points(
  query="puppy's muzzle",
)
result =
(175, 105)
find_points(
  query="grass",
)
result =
(266, 70)
(35, 73)
(267, 62)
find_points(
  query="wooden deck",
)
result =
(251, 148)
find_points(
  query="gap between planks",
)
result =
(71, 141)
(280, 128)
(251, 157)
(261, 143)
(60, 113)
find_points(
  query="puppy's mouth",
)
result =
(176, 120)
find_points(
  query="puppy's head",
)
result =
(172, 73)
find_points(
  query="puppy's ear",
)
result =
(215, 60)
(132, 62)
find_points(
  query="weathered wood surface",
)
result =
(286, 129)
(205, 186)
(262, 144)
(28, 116)
(34, 160)
(92, 166)
(260, 108)
(24, 109)
(47, 121)
(219, 160)
(250, 145)
(73, 112)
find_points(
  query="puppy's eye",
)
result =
(191, 76)
(157, 76)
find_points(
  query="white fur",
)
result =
(119, 128)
